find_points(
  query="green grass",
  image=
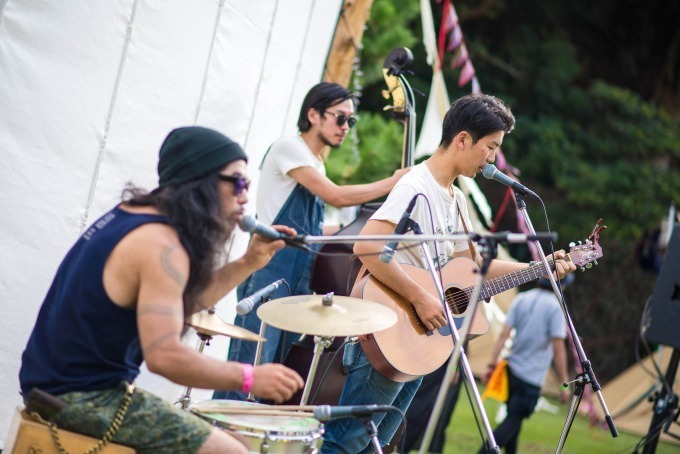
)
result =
(541, 433)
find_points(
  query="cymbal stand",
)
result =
(258, 350)
(320, 343)
(185, 399)
(587, 376)
(458, 357)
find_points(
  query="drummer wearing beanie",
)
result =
(122, 295)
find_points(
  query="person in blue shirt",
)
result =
(540, 330)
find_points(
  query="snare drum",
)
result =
(263, 433)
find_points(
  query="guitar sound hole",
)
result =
(457, 300)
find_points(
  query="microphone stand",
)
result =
(488, 249)
(587, 375)
(372, 431)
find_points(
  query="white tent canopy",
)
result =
(89, 90)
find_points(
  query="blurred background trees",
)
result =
(595, 88)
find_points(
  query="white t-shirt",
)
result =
(275, 185)
(445, 216)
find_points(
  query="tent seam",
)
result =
(259, 82)
(299, 64)
(199, 105)
(109, 116)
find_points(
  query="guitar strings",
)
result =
(461, 299)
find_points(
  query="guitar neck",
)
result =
(511, 280)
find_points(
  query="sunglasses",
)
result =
(240, 183)
(342, 118)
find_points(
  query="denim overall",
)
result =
(305, 213)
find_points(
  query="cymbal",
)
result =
(210, 324)
(344, 316)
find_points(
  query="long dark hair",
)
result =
(194, 209)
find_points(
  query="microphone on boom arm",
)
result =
(325, 413)
(391, 246)
(246, 304)
(491, 172)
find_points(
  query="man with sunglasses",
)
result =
(293, 190)
(124, 291)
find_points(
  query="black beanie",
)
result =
(191, 152)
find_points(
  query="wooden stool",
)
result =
(26, 435)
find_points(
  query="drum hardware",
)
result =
(325, 317)
(258, 354)
(185, 398)
(265, 428)
(207, 325)
(320, 343)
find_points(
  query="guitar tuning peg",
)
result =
(595, 262)
(582, 269)
(572, 244)
(589, 266)
(579, 243)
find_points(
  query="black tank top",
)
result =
(82, 341)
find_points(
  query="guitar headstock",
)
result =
(585, 254)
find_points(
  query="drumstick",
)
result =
(309, 408)
(253, 411)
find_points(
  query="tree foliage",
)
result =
(595, 88)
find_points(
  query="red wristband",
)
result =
(247, 378)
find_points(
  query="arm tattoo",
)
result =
(157, 342)
(154, 309)
(170, 268)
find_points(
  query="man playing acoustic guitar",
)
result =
(472, 132)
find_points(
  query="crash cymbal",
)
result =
(210, 324)
(337, 316)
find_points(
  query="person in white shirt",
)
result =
(293, 190)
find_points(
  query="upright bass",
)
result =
(335, 268)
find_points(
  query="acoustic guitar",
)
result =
(408, 350)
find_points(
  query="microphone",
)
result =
(246, 304)
(325, 413)
(491, 172)
(391, 246)
(249, 224)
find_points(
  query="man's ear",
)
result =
(314, 116)
(461, 139)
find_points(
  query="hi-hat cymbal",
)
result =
(344, 316)
(210, 324)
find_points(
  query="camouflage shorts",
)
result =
(150, 425)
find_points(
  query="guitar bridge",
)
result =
(420, 322)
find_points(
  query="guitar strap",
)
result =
(363, 271)
(473, 252)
